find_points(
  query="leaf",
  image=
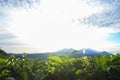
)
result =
(77, 72)
(25, 76)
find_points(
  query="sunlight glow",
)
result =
(50, 26)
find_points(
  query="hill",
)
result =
(3, 54)
(69, 52)
(81, 52)
(65, 51)
(34, 55)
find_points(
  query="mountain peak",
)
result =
(66, 50)
(89, 51)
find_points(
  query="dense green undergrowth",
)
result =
(61, 68)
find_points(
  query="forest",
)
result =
(105, 67)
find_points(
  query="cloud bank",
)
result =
(68, 11)
(108, 18)
(7, 39)
(18, 3)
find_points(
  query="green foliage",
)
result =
(3, 54)
(61, 68)
(2, 61)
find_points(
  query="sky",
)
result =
(51, 25)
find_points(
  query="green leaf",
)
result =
(25, 76)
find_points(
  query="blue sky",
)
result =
(50, 25)
(114, 37)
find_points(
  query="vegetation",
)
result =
(3, 54)
(61, 68)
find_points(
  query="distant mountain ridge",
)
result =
(82, 52)
(66, 51)
(69, 52)
(34, 55)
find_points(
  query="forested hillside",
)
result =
(105, 67)
(3, 54)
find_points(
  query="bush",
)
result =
(61, 68)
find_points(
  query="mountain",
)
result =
(34, 55)
(69, 52)
(82, 52)
(89, 52)
(3, 54)
(66, 51)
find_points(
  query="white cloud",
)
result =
(53, 26)
(108, 18)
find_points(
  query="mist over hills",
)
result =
(69, 52)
